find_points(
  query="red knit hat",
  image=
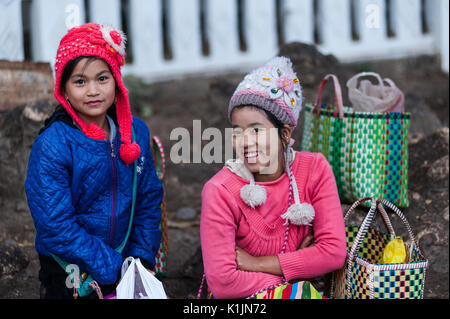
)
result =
(108, 44)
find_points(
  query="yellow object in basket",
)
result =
(394, 252)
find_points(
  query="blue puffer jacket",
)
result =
(79, 193)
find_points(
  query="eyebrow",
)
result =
(79, 75)
(251, 124)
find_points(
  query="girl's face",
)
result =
(256, 142)
(91, 89)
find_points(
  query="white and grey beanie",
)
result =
(275, 88)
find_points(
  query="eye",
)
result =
(79, 82)
(103, 78)
(258, 130)
(237, 131)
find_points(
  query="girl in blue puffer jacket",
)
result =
(80, 172)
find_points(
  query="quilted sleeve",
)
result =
(50, 201)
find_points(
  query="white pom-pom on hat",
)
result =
(253, 195)
(299, 214)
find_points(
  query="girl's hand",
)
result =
(245, 261)
(308, 241)
(266, 264)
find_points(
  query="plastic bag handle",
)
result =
(337, 95)
(127, 263)
(365, 74)
(390, 82)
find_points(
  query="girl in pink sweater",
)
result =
(273, 215)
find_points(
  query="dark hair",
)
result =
(68, 70)
(71, 65)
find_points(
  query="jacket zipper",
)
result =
(114, 195)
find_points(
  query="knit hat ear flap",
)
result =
(129, 152)
(298, 213)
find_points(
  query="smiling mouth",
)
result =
(94, 103)
(251, 157)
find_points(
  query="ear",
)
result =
(286, 133)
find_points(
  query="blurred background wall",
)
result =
(173, 38)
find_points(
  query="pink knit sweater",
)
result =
(227, 222)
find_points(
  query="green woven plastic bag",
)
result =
(367, 151)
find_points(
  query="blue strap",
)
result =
(85, 289)
(133, 203)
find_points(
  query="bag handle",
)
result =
(353, 82)
(384, 215)
(369, 219)
(390, 82)
(160, 168)
(160, 159)
(383, 202)
(337, 95)
(133, 200)
(354, 79)
(364, 226)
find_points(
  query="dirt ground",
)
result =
(165, 106)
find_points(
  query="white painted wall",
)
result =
(11, 46)
(50, 20)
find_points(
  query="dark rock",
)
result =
(311, 65)
(423, 120)
(439, 169)
(193, 268)
(12, 259)
(428, 159)
(186, 213)
(19, 128)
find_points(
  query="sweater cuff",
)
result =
(291, 266)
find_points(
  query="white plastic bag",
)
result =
(369, 97)
(138, 283)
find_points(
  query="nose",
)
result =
(249, 139)
(92, 89)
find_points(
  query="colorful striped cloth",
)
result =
(298, 290)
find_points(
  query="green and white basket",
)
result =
(367, 151)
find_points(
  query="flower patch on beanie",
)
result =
(279, 83)
(273, 87)
(116, 39)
